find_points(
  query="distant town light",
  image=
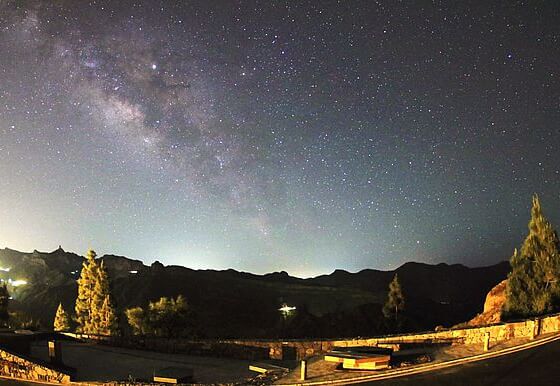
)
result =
(286, 310)
(132, 271)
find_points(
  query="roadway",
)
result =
(534, 367)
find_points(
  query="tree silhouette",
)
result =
(4, 300)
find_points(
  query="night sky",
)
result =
(278, 135)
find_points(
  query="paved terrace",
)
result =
(322, 371)
(103, 363)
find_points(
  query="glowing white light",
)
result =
(132, 271)
(286, 309)
(154, 66)
(17, 283)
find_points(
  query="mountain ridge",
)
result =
(283, 272)
(231, 303)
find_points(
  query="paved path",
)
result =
(533, 367)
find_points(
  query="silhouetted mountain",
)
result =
(239, 304)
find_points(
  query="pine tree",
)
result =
(99, 294)
(108, 319)
(95, 311)
(533, 285)
(4, 300)
(61, 319)
(395, 300)
(86, 287)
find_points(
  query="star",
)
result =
(258, 138)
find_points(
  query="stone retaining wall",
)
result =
(15, 366)
(301, 349)
(473, 335)
(250, 350)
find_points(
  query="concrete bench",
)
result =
(358, 361)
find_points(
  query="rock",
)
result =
(492, 311)
(496, 298)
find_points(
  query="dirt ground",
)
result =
(103, 363)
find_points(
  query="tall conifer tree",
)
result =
(84, 301)
(395, 300)
(99, 294)
(108, 319)
(95, 312)
(533, 287)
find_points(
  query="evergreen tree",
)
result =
(99, 294)
(108, 319)
(533, 285)
(395, 300)
(61, 319)
(4, 300)
(86, 287)
(95, 311)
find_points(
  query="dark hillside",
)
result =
(239, 304)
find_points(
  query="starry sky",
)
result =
(289, 135)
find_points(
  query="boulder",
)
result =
(493, 304)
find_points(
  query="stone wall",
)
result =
(473, 335)
(251, 350)
(15, 366)
(301, 349)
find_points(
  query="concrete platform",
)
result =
(321, 372)
(98, 363)
(355, 361)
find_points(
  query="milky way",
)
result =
(300, 136)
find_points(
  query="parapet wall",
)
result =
(474, 335)
(301, 349)
(15, 366)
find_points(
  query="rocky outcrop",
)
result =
(492, 312)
